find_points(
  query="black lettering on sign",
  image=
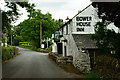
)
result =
(90, 18)
(84, 18)
(83, 24)
(80, 29)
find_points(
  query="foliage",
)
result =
(16, 40)
(3, 41)
(109, 11)
(12, 13)
(7, 53)
(104, 41)
(46, 49)
(50, 48)
(39, 49)
(107, 65)
(25, 44)
(30, 28)
(92, 76)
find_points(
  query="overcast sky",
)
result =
(58, 8)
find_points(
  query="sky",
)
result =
(58, 8)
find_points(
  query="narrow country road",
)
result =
(31, 64)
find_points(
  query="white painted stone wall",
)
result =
(80, 60)
(87, 29)
(54, 46)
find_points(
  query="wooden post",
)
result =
(40, 34)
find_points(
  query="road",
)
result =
(31, 64)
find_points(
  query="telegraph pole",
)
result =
(47, 42)
(40, 34)
(11, 37)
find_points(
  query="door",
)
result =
(59, 48)
(65, 50)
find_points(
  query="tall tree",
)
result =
(109, 11)
(31, 27)
(12, 13)
(106, 40)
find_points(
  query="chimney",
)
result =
(67, 18)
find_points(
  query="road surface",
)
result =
(31, 64)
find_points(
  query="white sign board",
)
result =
(84, 24)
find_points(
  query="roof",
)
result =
(72, 18)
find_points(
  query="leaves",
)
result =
(12, 13)
(30, 29)
(106, 40)
(109, 11)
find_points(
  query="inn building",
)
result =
(73, 38)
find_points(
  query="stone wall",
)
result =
(60, 59)
(64, 60)
(81, 60)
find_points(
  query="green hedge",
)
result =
(25, 44)
(93, 76)
(7, 53)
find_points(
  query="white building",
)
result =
(72, 39)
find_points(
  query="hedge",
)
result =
(8, 52)
(25, 44)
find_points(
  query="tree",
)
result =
(12, 13)
(106, 40)
(109, 11)
(30, 28)
(17, 39)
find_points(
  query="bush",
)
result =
(16, 40)
(92, 76)
(50, 48)
(7, 53)
(39, 49)
(25, 44)
(107, 65)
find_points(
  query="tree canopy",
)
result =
(12, 13)
(29, 29)
(109, 11)
(106, 40)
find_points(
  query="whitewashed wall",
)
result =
(88, 12)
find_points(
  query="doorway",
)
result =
(59, 48)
